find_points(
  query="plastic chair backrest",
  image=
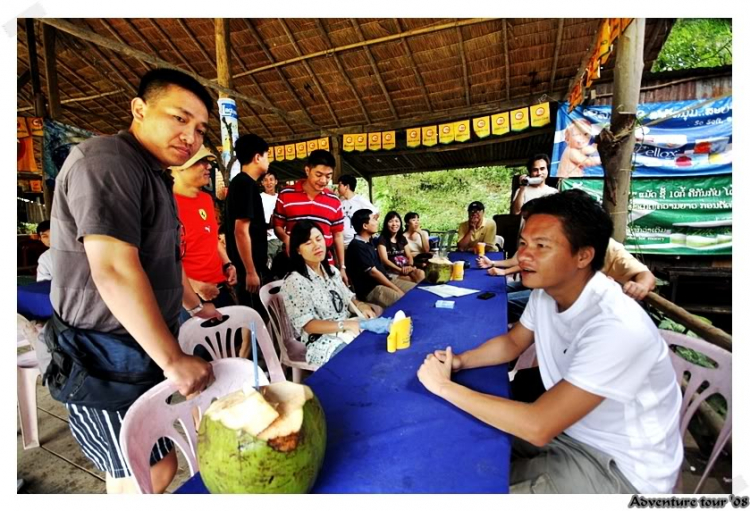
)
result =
(719, 380)
(25, 331)
(446, 240)
(151, 418)
(220, 339)
(292, 351)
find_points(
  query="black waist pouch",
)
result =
(95, 369)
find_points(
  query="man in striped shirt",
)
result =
(310, 199)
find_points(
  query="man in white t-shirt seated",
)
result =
(609, 419)
(533, 184)
(351, 203)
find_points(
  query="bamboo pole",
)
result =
(507, 60)
(616, 159)
(558, 42)
(50, 70)
(413, 63)
(708, 332)
(374, 66)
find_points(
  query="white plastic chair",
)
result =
(151, 418)
(719, 380)
(27, 371)
(292, 351)
(220, 339)
(527, 360)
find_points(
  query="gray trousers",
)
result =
(564, 465)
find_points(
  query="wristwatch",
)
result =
(195, 310)
(226, 266)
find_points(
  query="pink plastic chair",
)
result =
(219, 339)
(719, 381)
(292, 351)
(27, 371)
(527, 360)
(151, 418)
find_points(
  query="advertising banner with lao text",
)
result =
(684, 216)
(687, 138)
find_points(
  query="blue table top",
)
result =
(33, 301)
(386, 432)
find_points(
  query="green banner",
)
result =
(690, 216)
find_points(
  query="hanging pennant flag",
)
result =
(271, 152)
(278, 153)
(482, 126)
(360, 141)
(374, 142)
(349, 143)
(519, 119)
(604, 40)
(323, 144)
(614, 28)
(461, 130)
(22, 130)
(289, 152)
(25, 155)
(446, 133)
(501, 123)
(413, 137)
(301, 150)
(36, 126)
(429, 136)
(389, 140)
(312, 145)
(540, 115)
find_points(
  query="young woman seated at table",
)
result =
(416, 238)
(394, 251)
(317, 301)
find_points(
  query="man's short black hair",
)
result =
(349, 180)
(320, 157)
(155, 82)
(247, 146)
(584, 221)
(270, 172)
(42, 226)
(538, 156)
(359, 219)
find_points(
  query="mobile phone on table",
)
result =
(486, 295)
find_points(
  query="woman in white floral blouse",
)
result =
(316, 299)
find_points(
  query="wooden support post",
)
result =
(617, 143)
(369, 188)
(50, 68)
(224, 76)
(336, 152)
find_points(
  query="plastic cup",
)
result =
(458, 271)
(480, 248)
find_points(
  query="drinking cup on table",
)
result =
(480, 248)
(458, 271)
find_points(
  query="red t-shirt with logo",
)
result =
(201, 238)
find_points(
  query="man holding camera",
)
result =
(533, 185)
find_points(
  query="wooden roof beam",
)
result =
(174, 48)
(119, 38)
(507, 60)
(369, 42)
(96, 39)
(374, 66)
(269, 56)
(558, 43)
(309, 70)
(343, 72)
(417, 74)
(464, 66)
(208, 58)
(23, 79)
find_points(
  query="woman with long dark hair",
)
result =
(394, 251)
(317, 301)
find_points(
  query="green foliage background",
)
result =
(441, 197)
(696, 42)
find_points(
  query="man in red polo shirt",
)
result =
(209, 270)
(309, 199)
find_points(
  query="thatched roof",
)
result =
(364, 75)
